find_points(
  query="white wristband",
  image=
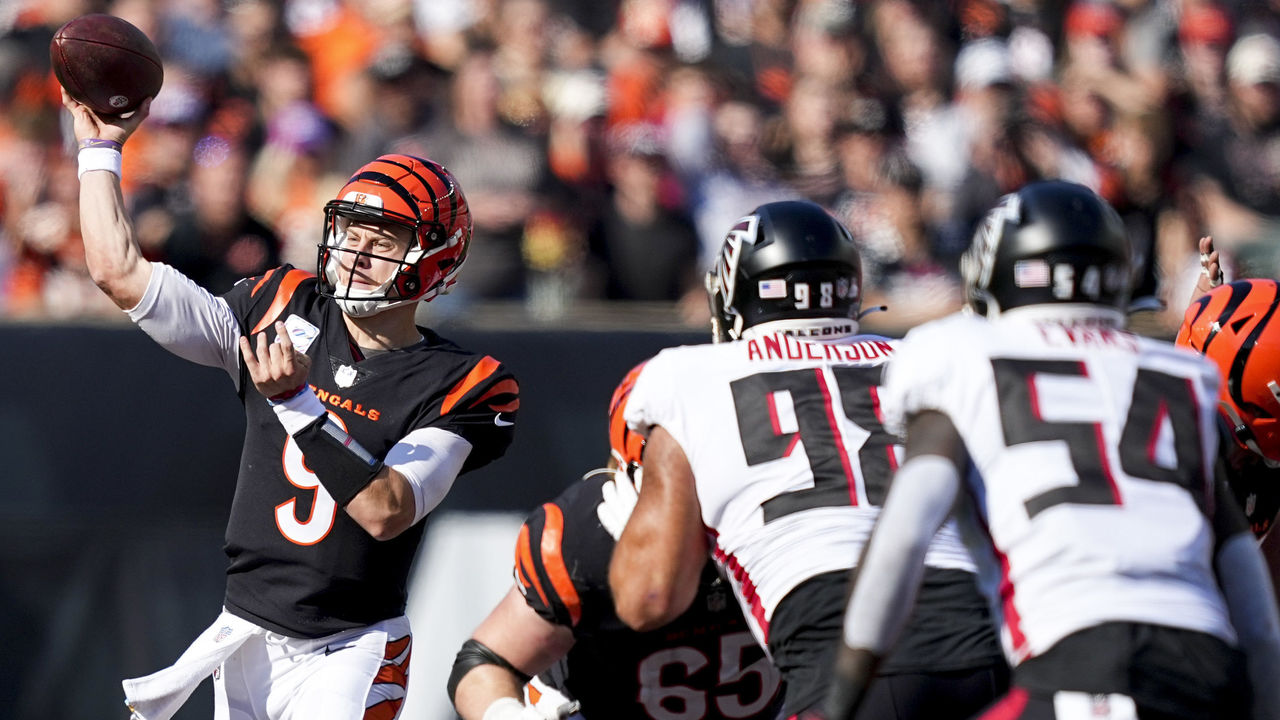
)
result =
(299, 411)
(99, 158)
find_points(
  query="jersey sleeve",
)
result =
(481, 408)
(562, 559)
(652, 400)
(259, 301)
(914, 377)
(188, 321)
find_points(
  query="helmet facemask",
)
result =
(403, 285)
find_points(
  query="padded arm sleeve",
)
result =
(189, 321)
(1251, 603)
(430, 460)
(919, 501)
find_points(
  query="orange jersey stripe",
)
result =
(385, 710)
(395, 647)
(553, 561)
(478, 374)
(504, 387)
(534, 693)
(288, 286)
(262, 282)
(524, 562)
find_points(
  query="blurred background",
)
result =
(605, 147)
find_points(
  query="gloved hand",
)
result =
(619, 499)
(509, 708)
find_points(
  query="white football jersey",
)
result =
(1091, 481)
(791, 460)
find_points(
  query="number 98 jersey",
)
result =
(790, 457)
(703, 664)
(1091, 455)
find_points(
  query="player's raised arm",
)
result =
(111, 251)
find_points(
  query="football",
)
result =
(106, 63)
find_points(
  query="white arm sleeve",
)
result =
(1252, 606)
(430, 459)
(920, 499)
(189, 321)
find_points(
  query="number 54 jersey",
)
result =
(1091, 456)
(791, 460)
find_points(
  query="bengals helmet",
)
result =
(1050, 243)
(625, 445)
(1232, 325)
(787, 260)
(403, 191)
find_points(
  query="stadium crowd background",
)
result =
(606, 145)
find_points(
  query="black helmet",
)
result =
(785, 261)
(1052, 242)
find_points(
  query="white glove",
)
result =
(619, 499)
(509, 708)
(552, 704)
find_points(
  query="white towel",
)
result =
(159, 695)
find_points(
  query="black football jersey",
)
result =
(300, 565)
(705, 664)
(1255, 486)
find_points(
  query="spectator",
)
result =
(647, 251)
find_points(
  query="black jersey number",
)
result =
(765, 438)
(682, 702)
(1156, 397)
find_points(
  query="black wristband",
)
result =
(343, 467)
(473, 654)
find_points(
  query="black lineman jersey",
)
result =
(300, 565)
(704, 664)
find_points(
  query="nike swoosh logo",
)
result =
(497, 420)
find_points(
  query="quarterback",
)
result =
(358, 422)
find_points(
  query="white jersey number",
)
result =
(681, 702)
(323, 508)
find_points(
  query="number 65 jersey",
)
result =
(790, 458)
(1091, 455)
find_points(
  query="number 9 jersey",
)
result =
(1091, 452)
(702, 665)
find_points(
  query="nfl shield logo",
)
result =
(224, 632)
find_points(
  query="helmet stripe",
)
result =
(409, 169)
(1235, 378)
(393, 185)
(1238, 293)
(449, 191)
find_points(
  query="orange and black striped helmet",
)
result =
(625, 444)
(409, 192)
(1235, 326)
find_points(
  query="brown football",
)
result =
(106, 63)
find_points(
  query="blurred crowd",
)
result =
(606, 146)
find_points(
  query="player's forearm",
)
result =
(483, 686)
(385, 507)
(111, 252)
